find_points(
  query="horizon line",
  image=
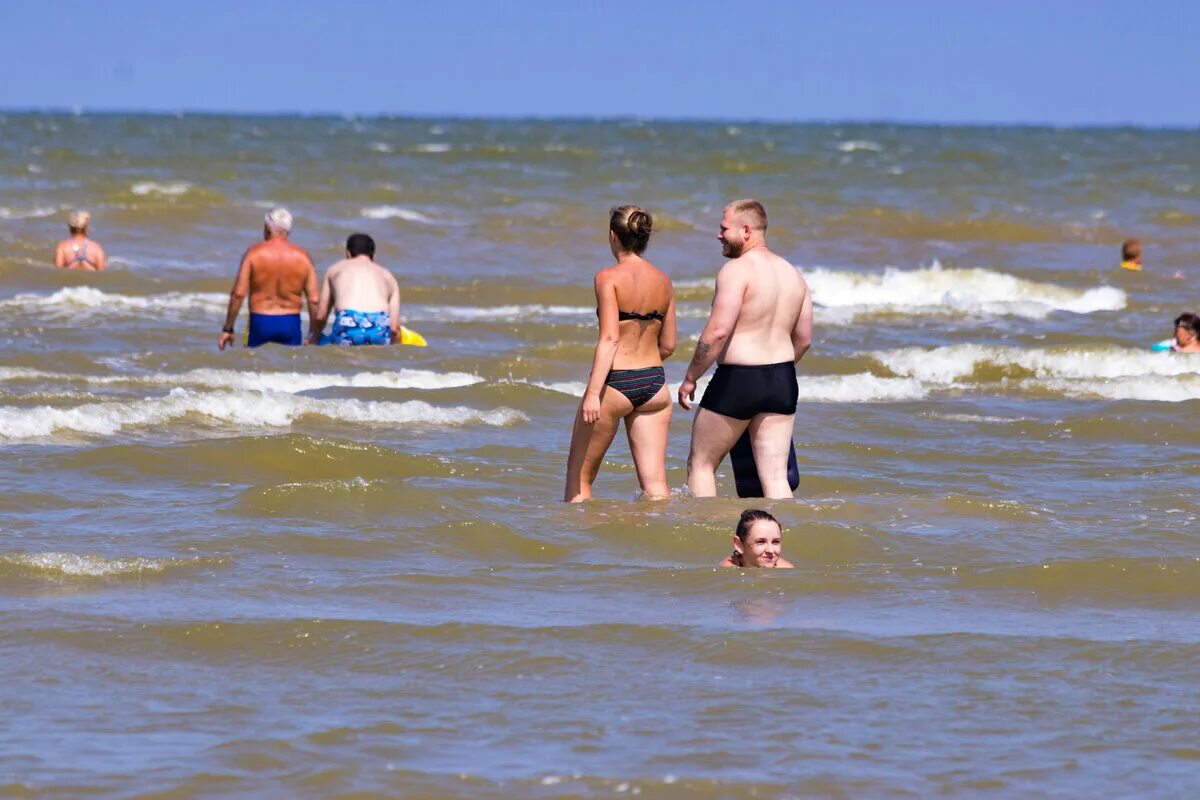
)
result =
(80, 111)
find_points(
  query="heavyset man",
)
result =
(759, 327)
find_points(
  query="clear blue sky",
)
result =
(1054, 61)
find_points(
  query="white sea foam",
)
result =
(241, 408)
(860, 144)
(935, 290)
(27, 213)
(395, 212)
(77, 565)
(76, 297)
(507, 313)
(1156, 388)
(862, 387)
(254, 381)
(434, 147)
(169, 189)
(381, 147)
(954, 362)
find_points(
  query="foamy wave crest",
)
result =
(951, 363)
(170, 189)
(433, 147)
(395, 212)
(1154, 388)
(247, 409)
(509, 313)
(254, 381)
(860, 144)
(862, 387)
(77, 565)
(76, 297)
(27, 213)
(937, 290)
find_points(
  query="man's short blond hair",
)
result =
(751, 211)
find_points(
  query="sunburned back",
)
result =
(771, 305)
(360, 285)
(641, 289)
(279, 271)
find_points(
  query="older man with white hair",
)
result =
(278, 276)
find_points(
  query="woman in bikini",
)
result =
(79, 252)
(635, 302)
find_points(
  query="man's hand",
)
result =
(591, 408)
(687, 391)
(226, 340)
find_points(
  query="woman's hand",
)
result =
(591, 408)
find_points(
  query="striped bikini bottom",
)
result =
(638, 385)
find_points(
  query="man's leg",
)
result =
(771, 437)
(713, 435)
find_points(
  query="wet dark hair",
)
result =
(359, 244)
(1189, 321)
(749, 517)
(1131, 250)
(632, 226)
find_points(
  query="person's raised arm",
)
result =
(394, 307)
(727, 306)
(314, 298)
(316, 322)
(668, 332)
(606, 345)
(241, 287)
(802, 333)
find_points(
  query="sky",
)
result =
(1058, 62)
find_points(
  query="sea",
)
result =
(348, 573)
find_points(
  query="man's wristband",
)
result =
(227, 329)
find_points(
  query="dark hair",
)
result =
(751, 516)
(1131, 250)
(1189, 321)
(359, 244)
(632, 226)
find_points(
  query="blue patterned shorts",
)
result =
(361, 327)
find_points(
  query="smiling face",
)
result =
(733, 235)
(764, 542)
(1184, 335)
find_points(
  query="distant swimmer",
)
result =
(759, 327)
(277, 275)
(80, 252)
(1187, 333)
(1131, 255)
(364, 298)
(635, 303)
(757, 542)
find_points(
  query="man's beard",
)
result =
(731, 250)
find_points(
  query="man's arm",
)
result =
(316, 322)
(394, 306)
(314, 299)
(241, 287)
(802, 333)
(727, 306)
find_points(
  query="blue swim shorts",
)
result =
(361, 327)
(277, 328)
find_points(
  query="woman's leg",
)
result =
(589, 443)
(647, 429)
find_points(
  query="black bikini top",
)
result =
(650, 317)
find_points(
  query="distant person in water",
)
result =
(363, 296)
(759, 327)
(757, 542)
(80, 252)
(278, 276)
(1131, 255)
(1187, 334)
(635, 304)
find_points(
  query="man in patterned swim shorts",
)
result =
(364, 298)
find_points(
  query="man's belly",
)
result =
(750, 349)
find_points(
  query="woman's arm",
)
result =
(668, 332)
(606, 345)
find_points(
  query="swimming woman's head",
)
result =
(631, 226)
(78, 222)
(1190, 325)
(758, 539)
